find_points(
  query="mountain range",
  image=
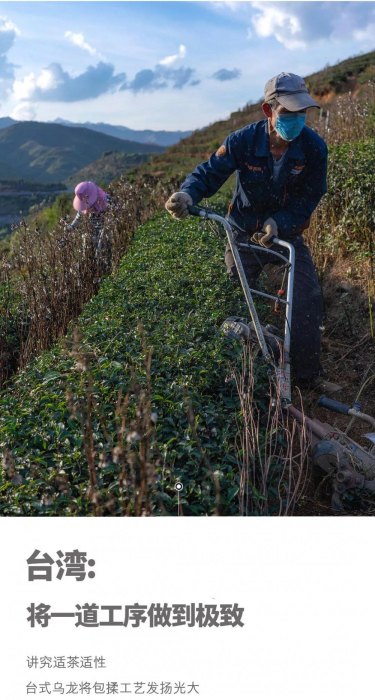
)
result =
(44, 152)
(159, 138)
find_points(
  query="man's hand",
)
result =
(177, 205)
(264, 239)
(268, 233)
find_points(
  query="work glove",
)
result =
(267, 234)
(177, 205)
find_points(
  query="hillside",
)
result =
(150, 136)
(109, 167)
(351, 74)
(49, 153)
(6, 121)
(18, 197)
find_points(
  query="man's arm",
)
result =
(290, 221)
(209, 176)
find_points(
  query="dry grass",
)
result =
(348, 118)
(55, 272)
(272, 449)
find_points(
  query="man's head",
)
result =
(273, 109)
(290, 91)
(286, 95)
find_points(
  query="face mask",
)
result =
(289, 126)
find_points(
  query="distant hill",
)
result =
(160, 138)
(109, 167)
(6, 121)
(47, 153)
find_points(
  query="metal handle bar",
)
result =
(199, 211)
(339, 407)
(333, 405)
(206, 214)
(253, 246)
(209, 214)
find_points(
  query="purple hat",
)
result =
(290, 90)
(86, 195)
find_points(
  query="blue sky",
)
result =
(164, 65)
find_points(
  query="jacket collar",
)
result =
(262, 144)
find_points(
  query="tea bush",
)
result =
(347, 211)
(62, 414)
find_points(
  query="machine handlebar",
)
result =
(334, 405)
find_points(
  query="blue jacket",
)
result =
(290, 200)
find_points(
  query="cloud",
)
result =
(279, 22)
(170, 60)
(24, 112)
(164, 75)
(232, 6)
(54, 84)
(146, 79)
(8, 33)
(78, 39)
(6, 71)
(226, 74)
(161, 77)
(366, 35)
(296, 25)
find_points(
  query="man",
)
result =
(281, 169)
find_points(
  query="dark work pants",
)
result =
(307, 302)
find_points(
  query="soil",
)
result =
(348, 359)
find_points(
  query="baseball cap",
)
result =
(86, 195)
(290, 90)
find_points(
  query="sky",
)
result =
(164, 65)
